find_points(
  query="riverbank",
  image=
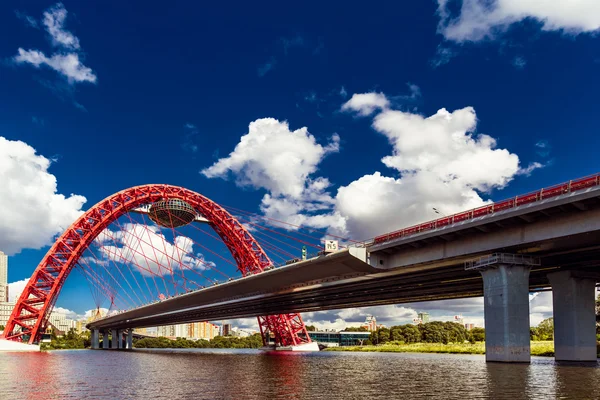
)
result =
(538, 348)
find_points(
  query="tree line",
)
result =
(74, 340)
(71, 340)
(219, 342)
(429, 332)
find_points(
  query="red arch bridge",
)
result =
(135, 244)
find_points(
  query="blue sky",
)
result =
(124, 93)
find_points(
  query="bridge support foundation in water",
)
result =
(120, 341)
(506, 306)
(9, 345)
(105, 339)
(573, 301)
(130, 339)
(114, 339)
(312, 346)
(95, 337)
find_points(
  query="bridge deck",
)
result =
(563, 230)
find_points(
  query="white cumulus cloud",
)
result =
(438, 161)
(366, 103)
(282, 161)
(66, 60)
(54, 21)
(68, 65)
(32, 213)
(16, 288)
(484, 19)
(273, 157)
(70, 314)
(146, 249)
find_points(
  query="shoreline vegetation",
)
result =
(73, 340)
(429, 337)
(538, 348)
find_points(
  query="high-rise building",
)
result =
(423, 316)
(80, 326)
(204, 330)
(196, 330)
(182, 330)
(142, 331)
(226, 330)
(6, 308)
(370, 323)
(3, 277)
(237, 332)
(166, 331)
(61, 322)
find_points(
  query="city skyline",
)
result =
(388, 132)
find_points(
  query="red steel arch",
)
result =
(33, 308)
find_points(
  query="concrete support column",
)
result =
(115, 339)
(506, 306)
(120, 342)
(105, 339)
(573, 300)
(130, 339)
(95, 339)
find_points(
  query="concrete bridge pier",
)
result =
(506, 305)
(573, 301)
(105, 339)
(95, 339)
(114, 339)
(120, 341)
(130, 339)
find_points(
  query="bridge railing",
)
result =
(539, 195)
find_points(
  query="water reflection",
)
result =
(247, 374)
(33, 374)
(508, 381)
(577, 381)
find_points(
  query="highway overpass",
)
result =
(559, 234)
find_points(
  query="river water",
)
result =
(250, 374)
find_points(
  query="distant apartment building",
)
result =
(6, 308)
(61, 322)
(424, 317)
(469, 326)
(80, 326)
(142, 331)
(166, 331)
(203, 330)
(226, 331)
(194, 331)
(239, 332)
(3, 277)
(370, 323)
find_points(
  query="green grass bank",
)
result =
(538, 348)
